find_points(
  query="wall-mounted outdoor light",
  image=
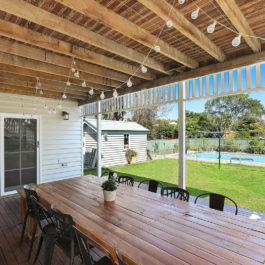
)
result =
(65, 115)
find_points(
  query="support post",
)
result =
(182, 135)
(99, 141)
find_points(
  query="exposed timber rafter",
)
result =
(97, 11)
(162, 8)
(233, 12)
(46, 19)
(52, 69)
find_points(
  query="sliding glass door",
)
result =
(20, 152)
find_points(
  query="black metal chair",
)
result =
(121, 262)
(126, 180)
(30, 212)
(217, 201)
(86, 244)
(65, 235)
(152, 184)
(48, 232)
(176, 193)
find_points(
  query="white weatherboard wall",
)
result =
(60, 140)
(113, 146)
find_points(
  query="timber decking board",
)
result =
(149, 229)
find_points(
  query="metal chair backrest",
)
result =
(41, 213)
(64, 223)
(176, 193)
(85, 243)
(217, 201)
(152, 184)
(121, 262)
(126, 180)
(29, 193)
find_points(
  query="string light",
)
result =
(73, 69)
(195, 13)
(68, 83)
(59, 106)
(169, 24)
(211, 28)
(129, 83)
(54, 111)
(64, 96)
(41, 92)
(91, 92)
(45, 106)
(49, 111)
(236, 41)
(76, 74)
(102, 96)
(157, 48)
(181, 2)
(115, 93)
(84, 83)
(143, 69)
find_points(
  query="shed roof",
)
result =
(109, 125)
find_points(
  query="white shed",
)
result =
(117, 137)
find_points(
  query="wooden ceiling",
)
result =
(110, 39)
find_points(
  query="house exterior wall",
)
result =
(113, 146)
(60, 140)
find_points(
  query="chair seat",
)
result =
(103, 261)
(65, 244)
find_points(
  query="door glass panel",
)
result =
(20, 152)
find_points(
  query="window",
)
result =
(126, 141)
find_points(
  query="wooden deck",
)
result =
(10, 228)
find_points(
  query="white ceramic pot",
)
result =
(109, 196)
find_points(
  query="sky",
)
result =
(198, 105)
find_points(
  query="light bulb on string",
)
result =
(211, 28)
(76, 74)
(91, 91)
(36, 87)
(129, 83)
(102, 96)
(41, 92)
(74, 63)
(54, 111)
(64, 96)
(84, 83)
(59, 106)
(143, 69)
(157, 48)
(169, 24)
(195, 13)
(39, 83)
(49, 111)
(73, 69)
(181, 2)
(237, 40)
(115, 93)
(68, 83)
(45, 106)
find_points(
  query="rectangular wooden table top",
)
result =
(150, 229)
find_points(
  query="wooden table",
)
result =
(152, 230)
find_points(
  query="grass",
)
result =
(244, 184)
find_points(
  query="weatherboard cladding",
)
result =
(113, 145)
(60, 140)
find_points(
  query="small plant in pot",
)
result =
(131, 156)
(109, 189)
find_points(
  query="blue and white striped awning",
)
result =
(237, 81)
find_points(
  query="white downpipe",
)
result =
(99, 141)
(182, 135)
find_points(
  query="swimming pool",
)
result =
(214, 155)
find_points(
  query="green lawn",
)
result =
(244, 184)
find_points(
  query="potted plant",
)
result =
(109, 189)
(131, 156)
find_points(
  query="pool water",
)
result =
(214, 155)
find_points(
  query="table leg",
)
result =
(30, 220)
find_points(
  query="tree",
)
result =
(224, 112)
